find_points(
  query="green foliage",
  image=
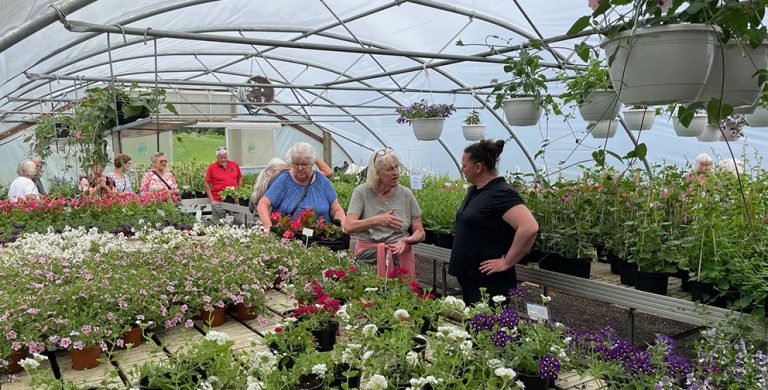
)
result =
(473, 118)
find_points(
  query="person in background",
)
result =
(38, 170)
(119, 175)
(702, 167)
(494, 229)
(23, 187)
(301, 188)
(159, 178)
(274, 166)
(97, 184)
(221, 174)
(380, 214)
(732, 165)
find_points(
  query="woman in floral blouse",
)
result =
(158, 179)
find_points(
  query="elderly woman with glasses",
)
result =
(300, 189)
(159, 178)
(381, 212)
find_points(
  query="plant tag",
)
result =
(416, 180)
(161, 212)
(307, 232)
(537, 312)
(199, 215)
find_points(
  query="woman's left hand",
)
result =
(493, 266)
(398, 247)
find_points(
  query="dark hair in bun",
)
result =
(486, 152)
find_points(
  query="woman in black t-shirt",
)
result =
(494, 229)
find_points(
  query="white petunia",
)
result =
(377, 382)
(545, 299)
(401, 314)
(319, 369)
(454, 303)
(371, 289)
(219, 337)
(370, 330)
(29, 364)
(520, 384)
(499, 298)
(494, 363)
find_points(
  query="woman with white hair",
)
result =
(732, 165)
(23, 187)
(302, 188)
(274, 166)
(380, 214)
(702, 166)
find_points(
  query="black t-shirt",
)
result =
(481, 232)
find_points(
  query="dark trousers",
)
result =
(470, 289)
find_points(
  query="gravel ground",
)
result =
(586, 314)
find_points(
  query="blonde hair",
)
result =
(380, 159)
(260, 187)
(26, 168)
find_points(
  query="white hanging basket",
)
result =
(473, 132)
(428, 129)
(693, 130)
(639, 118)
(730, 137)
(710, 134)
(600, 104)
(604, 129)
(731, 74)
(759, 118)
(661, 64)
(523, 111)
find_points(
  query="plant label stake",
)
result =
(307, 232)
(386, 269)
(416, 180)
(537, 312)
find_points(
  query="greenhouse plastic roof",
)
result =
(376, 55)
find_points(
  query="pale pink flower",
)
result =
(189, 324)
(16, 346)
(86, 329)
(78, 134)
(65, 342)
(78, 345)
(10, 335)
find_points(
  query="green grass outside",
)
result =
(196, 147)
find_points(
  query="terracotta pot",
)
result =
(85, 358)
(243, 312)
(133, 336)
(13, 360)
(216, 318)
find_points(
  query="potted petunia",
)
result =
(728, 129)
(427, 120)
(473, 128)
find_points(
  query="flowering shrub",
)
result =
(422, 110)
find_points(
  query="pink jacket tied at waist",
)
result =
(406, 259)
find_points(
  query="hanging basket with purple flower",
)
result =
(426, 119)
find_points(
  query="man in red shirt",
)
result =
(220, 175)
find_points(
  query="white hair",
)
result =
(260, 187)
(154, 157)
(26, 168)
(220, 151)
(301, 151)
(380, 159)
(701, 159)
(730, 165)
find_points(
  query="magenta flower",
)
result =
(10, 335)
(65, 342)
(78, 345)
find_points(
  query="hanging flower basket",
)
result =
(640, 118)
(601, 104)
(661, 64)
(710, 134)
(604, 129)
(523, 111)
(473, 132)
(759, 118)
(427, 129)
(732, 74)
(427, 120)
(694, 129)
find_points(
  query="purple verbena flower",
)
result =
(549, 367)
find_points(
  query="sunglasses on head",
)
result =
(381, 153)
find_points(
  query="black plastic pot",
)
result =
(615, 263)
(430, 236)
(654, 282)
(627, 273)
(311, 382)
(533, 382)
(243, 201)
(707, 293)
(444, 240)
(352, 382)
(602, 253)
(574, 267)
(326, 337)
(229, 199)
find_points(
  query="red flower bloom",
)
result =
(278, 329)
(341, 274)
(288, 234)
(352, 268)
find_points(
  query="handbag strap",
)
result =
(161, 179)
(303, 194)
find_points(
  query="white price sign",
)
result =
(307, 232)
(537, 312)
(416, 180)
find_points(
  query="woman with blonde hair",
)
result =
(23, 187)
(380, 214)
(274, 166)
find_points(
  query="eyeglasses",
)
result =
(382, 153)
(301, 165)
(163, 161)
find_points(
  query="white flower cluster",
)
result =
(33, 362)
(452, 332)
(319, 369)
(401, 314)
(412, 358)
(71, 246)
(499, 298)
(419, 383)
(377, 382)
(264, 361)
(219, 337)
(230, 233)
(504, 373)
(342, 315)
(369, 330)
(168, 237)
(452, 303)
(349, 352)
(254, 384)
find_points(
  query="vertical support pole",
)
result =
(327, 148)
(631, 325)
(445, 280)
